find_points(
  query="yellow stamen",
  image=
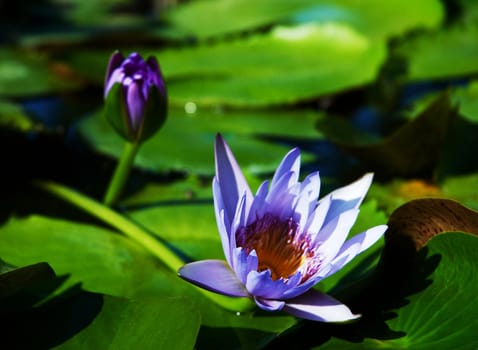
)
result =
(276, 246)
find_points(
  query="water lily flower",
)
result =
(281, 242)
(135, 96)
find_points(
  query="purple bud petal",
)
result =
(115, 61)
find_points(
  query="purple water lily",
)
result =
(135, 94)
(282, 241)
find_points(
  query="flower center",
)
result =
(278, 245)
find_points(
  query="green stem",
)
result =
(121, 173)
(138, 234)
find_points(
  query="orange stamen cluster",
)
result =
(278, 245)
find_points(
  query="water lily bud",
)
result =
(135, 96)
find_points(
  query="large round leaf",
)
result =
(100, 259)
(287, 65)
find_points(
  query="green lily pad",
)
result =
(284, 66)
(468, 101)
(463, 188)
(106, 262)
(99, 258)
(443, 315)
(429, 55)
(203, 19)
(148, 323)
(287, 65)
(185, 143)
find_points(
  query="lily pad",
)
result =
(468, 101)
(99, 258)
(443, 315)
(150, 323)
(287, 65)
(185, 143)
(203, 19)
(429, 54)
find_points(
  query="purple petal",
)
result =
(244, 263)
(310, 187)
(213, 275)
(269, 305)
(261, 284)
(317, 306)
(257, 209)
(281, 197)
(291, 162)
(116, 77)
(349, 197)
(115, 61)
(238, 221)
(222, 223)
(332, 236)
(136, 103)
(231, 180)
(354, 246)
(317, 217)
(301, 211)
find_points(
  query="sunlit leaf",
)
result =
(204, 19)
(463, 188)
(468, 101)
(287, 65)
(100, 259)
(441, 55)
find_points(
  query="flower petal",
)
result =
(291, 162)
(348, 197)
(213, 275)
(115, 61)
(261, 284)
(231, 180)
(354, 246)
(223, 223)
(282, 196)
(257, 207)
(239, 220)
(136, 102)
(317, 306)
(317, 217)
(310, 187)
(244, 263)
(269, 305)
(332, 236)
